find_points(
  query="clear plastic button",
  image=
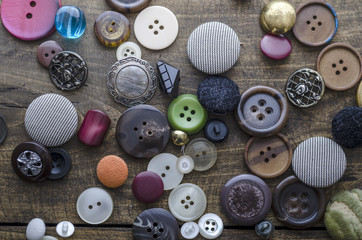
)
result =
(211, 226)
(203, 152)
(128, 49)
(185, 164)
(190, 230)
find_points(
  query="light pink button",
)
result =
(275, 47)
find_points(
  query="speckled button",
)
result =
(147, 187)
(359, 95)
(246, 199)
(275, 47)
(340, 65)
(46, 51)
(203, 152)
(3, 129)
(128, 6)
(61, 163)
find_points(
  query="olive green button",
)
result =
(186, 113)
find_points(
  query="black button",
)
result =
(3, 129)
(61, 163)
(216, 130)
(169, 78)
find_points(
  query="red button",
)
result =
(94, 127)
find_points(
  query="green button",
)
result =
(186, 113)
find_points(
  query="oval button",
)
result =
(94, 127)
(147, 187)
(128, 6)
(275, 47)
(46, 51)
(203, 152)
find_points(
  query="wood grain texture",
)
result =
(22, 79)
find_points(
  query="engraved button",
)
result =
(46, 51)
(128, 6)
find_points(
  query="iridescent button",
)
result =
(94, 127)
(275, 47)
(46, 51)
(211, 226)
(147, 187)
(203, 152)
(70, 22)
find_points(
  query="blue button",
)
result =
(70, 22)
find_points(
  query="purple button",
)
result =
(94, 127)
(147, 187)
(275, 47)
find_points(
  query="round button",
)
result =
(155, 223)
(340, 65)
(319, 153)
(3, 129)
(147, 187)
(268, 157)
(211, 226)
(36, 229)
(359, 95)
(112, 28)
(297, 205)
(156, 27)
(275, 47)
(203, 152)
(185, 113)
(164, 165)
(213, 48)
(127, 6)
(29, 20)
(265, 229)
(179, 138)
(70, 22)
(262, 111)
(94, 205)
(246, 199)
(216, 130)
(112, 171)
(187, 202)
(61, 163)
(46, 51)
(128, 49)
(316, 23)
(142, 131)
(185, 164)
(190, 230)
(65, 229)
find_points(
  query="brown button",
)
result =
(268, 157)
(112, 28)
(340, 66)
(128, 6)
(142, 131)
(262, 111)
(359, 95)
(316, 23)
(46, 51)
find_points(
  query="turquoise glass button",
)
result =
(185, 113)
(70, 22)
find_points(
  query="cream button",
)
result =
(190, 230)
(211, 226)
(203, 152)
(185, 164)
(128, 49)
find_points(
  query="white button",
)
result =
(65, 229)
(190, 230)
(35, 229)
(211, 226)
(49, 238)
(128, 49)
(94, 205)
(203, 152)
(156, 27)
(185, 164)
(187, 202)
(164, 165)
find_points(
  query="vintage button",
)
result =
(155, 223)
(187, 202)
(164, 164)
(128, 49)
(246, 199)
(29, 20)
(70, 22)
(142, 131)
(297, 205)
(94, 205)
(127, 6)
(211, 226)
(3, 129)
(190, 230)
(156, 27)
(179, 138)
(46, 51)
(185, 113)
(51, 120)
(319, 162)
(316, 23)
(213, 48)
(185, 164)
(268, 157)
(275, 47)
(305, 88)
(112, 171)
(31, 161)
(262, 111)
(340, 65)
(35, 229)
(94, 127)
(65, 229)
(112, 28)
(359, 95)
(216, 130)
(169, 78)
(131, 81)
(147, 187)
(61, 163)
(203, 152)
(265, 229)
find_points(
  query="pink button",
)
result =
(94, 128)
(29, 19)
(275, 47)
(147, 187)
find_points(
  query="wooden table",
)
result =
(22, 79)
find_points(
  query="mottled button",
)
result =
(94, 127)
(340, 64)
(275, 47)
(156, 27)
(316, 23)
(246, 199)
(359, 95)
(128, 6)
(142, 131)
(216, 130)
(65, 229)
(46, 51)
(262, 111)
(131, 81)
(70, 22)
(187, 202)
(169, 78)
(112, 171)
(190, 230)
(211, 226)
(319, 162)
(203, 152)
(147, 187)
(3, 129)
(265, 229)
(297, 205)
(185, 164)
(155, 223)
(128, 49)
(61, 163)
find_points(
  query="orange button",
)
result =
(112, 171)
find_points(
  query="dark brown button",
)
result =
(268, 157)
(142, 131)
(316, 23)
(112, 28)
(297, 205)
(340, 66)
(262, 111)
(128, 6)
(3, 129)
(46, 51)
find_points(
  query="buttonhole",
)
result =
(127, 50)
(319, 23)
(261, 153)
(188, 119)
(149, 230)
(187, 206)
(182, 115)
(32, 3)
(254, 108)
(29, 16)
(207, 222)
(167, 167)
(155, 224)
(90, 206)
(207, 229)
(46, 55)
(125, 55)
(213, 223)
(261, 117)
(268, 148)
(203, 152)
(308, 22)
(150, 27)
(160, 230)
(191, 203)
(53, 52)
(262, 102)
(155, 236)
(334, 65)
(163, 175)
(99, 203)
(113, 23)
(186, 108)
(314, 17)
(149, 132)
(266, 160)
(193, 112)
(182, 201)
(140, 138)
(155, 32)
(197, 155)
(161, 27)
(341, 61)
(156, 21)
(345, 68)
(111, 30)
(144, 123)
(273, 155)
(338, 72)
(136, 129)
(132, 53)
(269, 110)
(313, 28)
(188, 198)
(212, 229)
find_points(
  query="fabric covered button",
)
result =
(213, 48)
(319, 153)
(70, 22)
(297, 205)
(156, 27)
(169, 78)
(275, 47)
(61, 163)
(3, 129)
(94, 127)
(211, 226)
(147, 187)
(203, 152)
(359, 95)
(265, 229)
(190, 230)
(185, 164)
(65, 229)
(128, 49)
(112, 171)
(187, 202)
(142, 131)
(46, 51)
(340, 65)
(216, 130)
(35, 229)
(127, 6)
(251, 193)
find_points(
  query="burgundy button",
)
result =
(147, 187)
(275, 47)
(94, 127)
(46, 51)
